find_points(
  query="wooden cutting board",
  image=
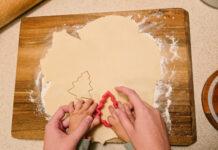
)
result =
(35, 38)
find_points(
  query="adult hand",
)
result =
(56, 137)
(147, 130)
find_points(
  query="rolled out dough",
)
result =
(110, 52)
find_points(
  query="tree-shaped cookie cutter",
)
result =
(98, 111)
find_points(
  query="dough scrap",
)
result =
(114, 53)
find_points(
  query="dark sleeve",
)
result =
(128, 146)
(83, 144)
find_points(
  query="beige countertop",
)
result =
(204, 46)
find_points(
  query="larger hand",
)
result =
(148, 130)
(56, 137)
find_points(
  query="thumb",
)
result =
(124, 120)
(81, 130)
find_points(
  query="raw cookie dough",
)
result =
(113, 52)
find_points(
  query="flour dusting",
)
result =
(163, 89)
(42, 88)
(173, 48)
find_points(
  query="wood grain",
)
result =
(35, 38)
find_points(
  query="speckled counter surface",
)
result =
(204, 46)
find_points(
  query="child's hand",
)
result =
(116, 124)
(79, 111)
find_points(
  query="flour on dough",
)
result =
(113, 52)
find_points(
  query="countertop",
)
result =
(204, 49)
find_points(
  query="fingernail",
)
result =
(89, 118)
(117, 111)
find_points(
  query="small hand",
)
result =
(148, 131)
(81, 110)
(56, 137)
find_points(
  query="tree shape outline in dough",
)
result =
(76, 83)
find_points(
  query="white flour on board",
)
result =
(162, 90)
(42, 88)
